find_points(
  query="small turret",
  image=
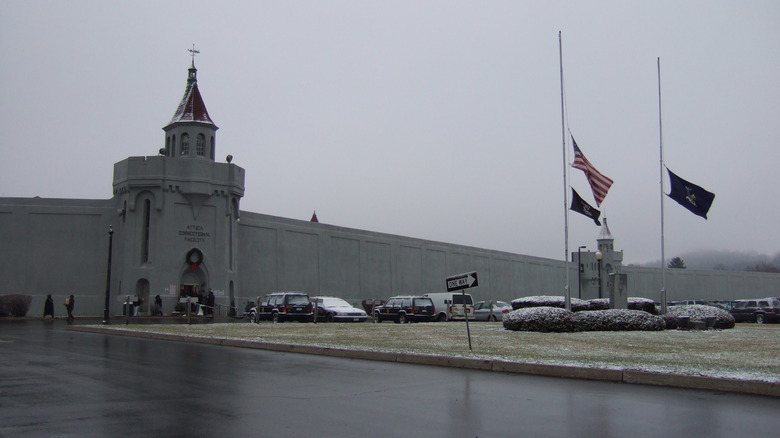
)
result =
(191, 133)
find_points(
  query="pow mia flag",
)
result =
(580, 206)
(690, 196)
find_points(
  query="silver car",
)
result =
(491, 310)
(332, 309)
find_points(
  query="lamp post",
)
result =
(598, 258)
(106, 311)
(579, 272)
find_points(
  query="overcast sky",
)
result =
(438, 120)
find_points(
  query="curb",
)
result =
(616, 375)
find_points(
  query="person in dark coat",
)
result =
(158, 306)
(48, 307)
(70, 303)
(210, 301)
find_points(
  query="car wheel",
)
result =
(275, 317)
(377, 319)
(441, 318)
(492, 318)
(329, 317)
(760, 318)
(402, 318)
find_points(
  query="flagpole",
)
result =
(567, 293)
(661, 183)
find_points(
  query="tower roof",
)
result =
(192, 108)
(605, 234)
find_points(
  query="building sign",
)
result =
(194, 234)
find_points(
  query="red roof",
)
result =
(192, 108)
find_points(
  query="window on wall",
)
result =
(212, 147)
(185, 144)
(147, 219)
(173, 146)
(200, 145)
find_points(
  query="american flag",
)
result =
(599, 183)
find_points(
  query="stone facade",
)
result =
(177, 228)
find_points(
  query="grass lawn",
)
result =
(747, 352)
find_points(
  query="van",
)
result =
(449, 305)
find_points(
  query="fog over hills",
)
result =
(722, 260)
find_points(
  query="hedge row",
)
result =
(547, 314)
(15, 305)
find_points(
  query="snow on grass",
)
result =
(747, 352)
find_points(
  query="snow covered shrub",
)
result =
(598, 304)
(15, 305)
(617, 320)
(548, 301)
(634, 303)
(539, 319)
(645, 304)
(697, 312)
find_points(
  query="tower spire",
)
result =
(193, 52)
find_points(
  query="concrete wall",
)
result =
(60, 247)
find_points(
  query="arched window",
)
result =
(147, 221)
(173, 146)
(200, 145)
(212, 147)
(185, 144)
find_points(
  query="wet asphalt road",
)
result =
(57, 383)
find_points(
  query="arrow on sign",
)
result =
(462, 281)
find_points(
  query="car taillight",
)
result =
(284, 309)
(505, 311)
(411, 310)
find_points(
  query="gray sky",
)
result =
(433, 119)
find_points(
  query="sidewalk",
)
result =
(753, 387)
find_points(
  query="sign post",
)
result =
(462, 282)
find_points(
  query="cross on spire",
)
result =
(193, 52)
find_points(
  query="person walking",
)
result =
(210, 301)
(48, 307)
(70, 303)
(158, 306)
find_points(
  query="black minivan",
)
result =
(405, 309)
(760, 310)
(283, 306)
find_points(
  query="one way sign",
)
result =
(462, 281)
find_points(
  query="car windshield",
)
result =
(334, 302)
(422, 302)
(297, 299)
(461, 299)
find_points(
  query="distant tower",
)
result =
(611, 261)
(591, 271)
(179, 211)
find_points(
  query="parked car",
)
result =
(450, 305)
(283, 306)
(405, 309)
(687, 302)
(332, 309)
(491, 310)
(760, 310)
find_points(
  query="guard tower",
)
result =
(176, 230)
(596, 268)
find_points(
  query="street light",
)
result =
(108, 276)
(579, 272)
(598, 258)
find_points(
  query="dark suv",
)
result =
(760, 310)
(405, 309)
(283, 306)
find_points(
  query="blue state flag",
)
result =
(689, 195)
